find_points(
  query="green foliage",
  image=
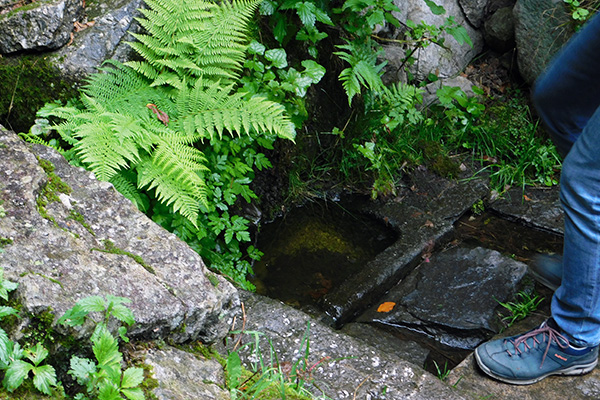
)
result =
(581, 10)
(26, 83)
(267, 377)
(104, 378)
(176, 132)
(520, 309)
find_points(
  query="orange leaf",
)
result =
(386, 306)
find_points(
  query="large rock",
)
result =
(90, 240)
(38, 26)
(445, 61)
(340, 366)
(104, 37)
(542, 27)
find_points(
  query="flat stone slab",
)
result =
(452, 296)
(423, 214)
(538, 208)
(343, 367)
(93, 241)
(185, 376)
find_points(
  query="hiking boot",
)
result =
(531, 357)
(547, 270)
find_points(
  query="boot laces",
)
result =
(548, 333)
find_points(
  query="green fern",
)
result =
(363, 71)
(144, 122)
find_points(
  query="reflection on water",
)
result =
(314, 248)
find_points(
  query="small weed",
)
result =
(527, 304)
(443, 372)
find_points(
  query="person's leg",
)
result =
(568, 92)
(576, 303)
(568, 99)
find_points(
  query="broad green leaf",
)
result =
(123, 314)
(460, 34)
(278, 57)
(5, 311)
(106, 349)
(15, 374)
(92, 303)
(256, 48)
(37, 354)
(5, 349)
(133, 393)
(435, 9)
(82, 369)
(314, 70)
(234, 369)
(132, 377)
(267, 7)
(306, 12)
(44, 378)
(108, 391)
(117, 299)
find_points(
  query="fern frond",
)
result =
(194, 38)
(174, 172)
(363, 71)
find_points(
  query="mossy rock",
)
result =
(26, 84)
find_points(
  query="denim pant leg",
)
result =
(576, 303)
(567, 97)
(568, 92)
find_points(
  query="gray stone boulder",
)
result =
(542, 27)
(499, 30)
(338, 366)
(104, 37)
(67, 235)
(445, 61)
(38, 26)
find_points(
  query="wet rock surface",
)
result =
(452, 296)
(423, 215)
(87, 239)
(39, 26)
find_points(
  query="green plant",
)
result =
(581, 10)
(104, 378)
(176, 132)
(16, 368)
(268, 377)
(442, 373)
(527, 304)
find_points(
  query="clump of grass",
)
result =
(527, 303)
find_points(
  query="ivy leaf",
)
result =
(435, 9)
(44, 378)
(15, 374)
(256, 48)
(314, 70)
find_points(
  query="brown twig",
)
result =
(237, 343)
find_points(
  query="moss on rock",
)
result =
(26, 84)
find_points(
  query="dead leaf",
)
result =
(526, 198)
(386, 306)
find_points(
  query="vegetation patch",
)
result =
(26, 84)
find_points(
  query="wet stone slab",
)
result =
(452, 296)
(538, 208)
(423, 214)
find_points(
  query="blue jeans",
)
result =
(567, 97)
